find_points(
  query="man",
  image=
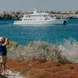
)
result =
(3, 52)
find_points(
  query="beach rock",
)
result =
(1, 76)
(11, 74)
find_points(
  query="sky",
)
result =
(44, 5)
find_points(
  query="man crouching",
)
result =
(3, 52)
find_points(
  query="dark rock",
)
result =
(1, 76)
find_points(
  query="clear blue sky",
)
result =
(29, 5)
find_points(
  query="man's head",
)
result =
(2, 39)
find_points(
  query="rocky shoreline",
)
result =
(11, 74)
(39, 69)
(42, 60)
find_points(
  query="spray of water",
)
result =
(69, 50)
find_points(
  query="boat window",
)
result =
(52, 16)
(28, 16)
(47, 18)
(45, 15)
(20, 19)
(28, 19)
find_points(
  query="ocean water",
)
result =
(56, 34)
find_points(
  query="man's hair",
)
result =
(2, 39)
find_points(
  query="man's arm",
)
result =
(6, 42)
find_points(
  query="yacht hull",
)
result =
(56, 21)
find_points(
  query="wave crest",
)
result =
(69, 50)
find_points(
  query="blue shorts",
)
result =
(3, 50)
(3, 53)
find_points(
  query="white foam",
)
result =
(70, 50)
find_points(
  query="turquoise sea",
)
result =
(56, 34)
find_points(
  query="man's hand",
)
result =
(6, 41)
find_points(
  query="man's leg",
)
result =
(1, 62)
(4, 64)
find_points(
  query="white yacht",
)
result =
(38, 18)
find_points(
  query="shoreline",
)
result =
(38, 69)
(17, 15)
(41, 59)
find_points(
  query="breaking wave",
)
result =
(69, 50)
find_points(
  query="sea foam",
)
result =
(69, 50)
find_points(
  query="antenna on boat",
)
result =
(35, 10)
